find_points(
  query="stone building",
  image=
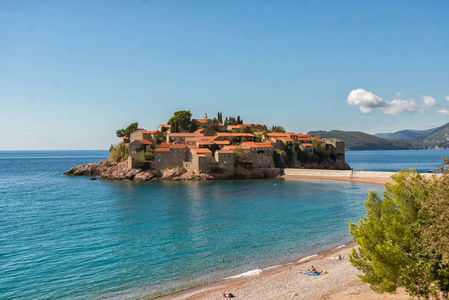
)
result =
(170, 157)
(136, 147)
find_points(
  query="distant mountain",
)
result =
(436, 139)
(356, 140)
(407, 134)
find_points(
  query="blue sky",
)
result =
(73, 72)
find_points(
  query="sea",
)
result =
(65, 237)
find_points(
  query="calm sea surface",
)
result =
(74, 238)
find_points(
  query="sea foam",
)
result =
(307, 257)
(249, 273)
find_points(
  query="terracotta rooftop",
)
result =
(224, 151)
(165, 145)
(232, 147)
(234, 134)
(308, 145)
(146, 131)
(258, 145)
(202, 150)
(185, 134)
(222, 142)
(162, 150)
(177, 146)
(286, 139)
(145, 142)
(276, 134)
(303, 139)
(202, 121)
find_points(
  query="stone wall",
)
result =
(261, 160)
(169, 159)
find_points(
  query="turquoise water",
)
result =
(74, 238)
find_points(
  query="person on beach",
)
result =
(339, 257)
(313, 270)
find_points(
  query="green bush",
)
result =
(140, 163)
(119, 153)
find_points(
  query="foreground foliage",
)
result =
(404, 237)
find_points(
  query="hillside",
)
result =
(356, 140)
(406, 134)
(438, 138)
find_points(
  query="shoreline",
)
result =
(194, 292)
(288, 281)
(276, 278)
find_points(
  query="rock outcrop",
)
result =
(109, 170)
(91, 169)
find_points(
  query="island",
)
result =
(208, 149)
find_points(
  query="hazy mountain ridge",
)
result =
(403, 134)
(436, 138)
(356, 140)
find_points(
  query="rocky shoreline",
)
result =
(119, 171)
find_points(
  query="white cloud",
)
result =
(399, 107)
(442, 112)
(369, 102)
(366, 100)
(429, 101)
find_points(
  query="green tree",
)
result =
(182, 119)
(240, 156)
(396, 238)
(125, 132)
(278, 129)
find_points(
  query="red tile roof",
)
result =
(224, 151)
(276, 134)
(308, 145)
(222, 142)
(162, 150)
(303, 139)
(165, 145)
(177, 146)
(232, 147)
(202, 121)
(145, 142)
(227, 134)
(146, 131)
(286, 139)
(185, 134)
(258, 145)
(202, 150)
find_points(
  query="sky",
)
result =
(73, 72)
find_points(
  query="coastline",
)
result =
(288, 281)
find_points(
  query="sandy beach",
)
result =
(289, 281)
